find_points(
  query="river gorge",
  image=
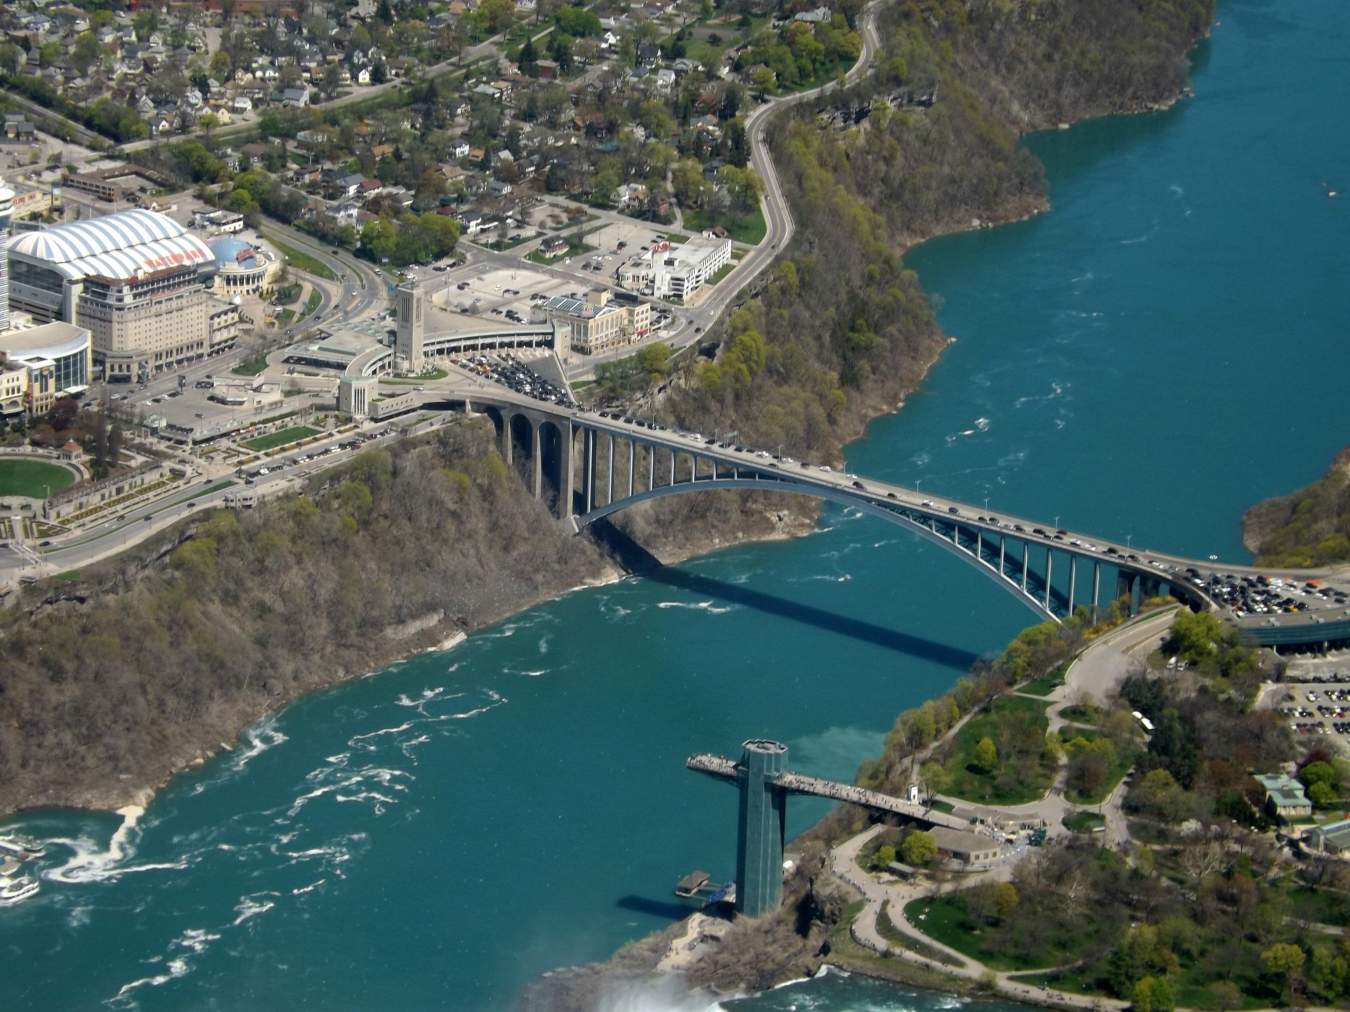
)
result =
(1162, 348)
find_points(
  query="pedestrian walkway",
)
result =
(876, 893)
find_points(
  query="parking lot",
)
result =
(514, 371)
(1261, 595)
(1318, 709)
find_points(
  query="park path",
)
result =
(876, 893)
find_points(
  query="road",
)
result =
(134, 525)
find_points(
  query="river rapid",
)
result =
(1165, 346)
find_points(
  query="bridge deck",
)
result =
(800, 783)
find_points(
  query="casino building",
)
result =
(135, 279)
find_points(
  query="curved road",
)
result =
(777, 215)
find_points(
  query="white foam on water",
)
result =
(921, 459)
(543, 644)
(982, 424)
(90, 864)
(301, 890)
(705, 606)
(197, 940)
(258, 739)
(177, 968)
(253, 906)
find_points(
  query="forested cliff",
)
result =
(841, 331)
(1310, 527)
(113, 681)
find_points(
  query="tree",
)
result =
(1006, 899)
(1153, 994)
(528, 59)
(1225, 996)
(919, 848)
(885, 855)
(1285, 960)
(1195, 635)
(986, 756)
(1321, 794)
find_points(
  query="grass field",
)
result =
(945, 919)
(252, 365)
(748, 227)
(281, 437)
(311, 304)
(1083, 822)
(300, 260)
(34, 478)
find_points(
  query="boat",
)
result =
(16, 888)
(21, 847)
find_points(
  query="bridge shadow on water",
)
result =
(638, 560)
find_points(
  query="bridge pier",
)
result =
(567, 464)
(761, 829)
(1026, 563)
(1073, 579)
(1128, 586)
(609, 473)
(1049, 574)
(588, 467)
(632, 465)
(1096, 588)
(1002, 553)
(507, 418)
(537, 460)
(651, 466)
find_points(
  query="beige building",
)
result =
(599, 323)
(13, 389)
(41, 364)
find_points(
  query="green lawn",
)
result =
(281, 437)
(252, 365)
(301, 260)
(311, 304)
(1190, 987)
(748, 227)
(1046, 684)
(887, 929)
(1003, 786)
(722, 272)
(34, 478)
(1324, 906)
(1083, 822)
(945, 919)
(576, 246)
(1081, 714)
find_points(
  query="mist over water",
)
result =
(1165, 347)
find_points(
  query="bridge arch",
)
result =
(1033, 601)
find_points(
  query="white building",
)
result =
(134, 279)
(675, 274)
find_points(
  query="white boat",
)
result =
(21, 847)
(16, 888)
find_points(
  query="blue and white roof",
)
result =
(125, 245)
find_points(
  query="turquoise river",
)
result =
(1165, 346)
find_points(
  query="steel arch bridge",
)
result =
(589, 466)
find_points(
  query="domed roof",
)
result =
(121, 245)
(232, 252)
